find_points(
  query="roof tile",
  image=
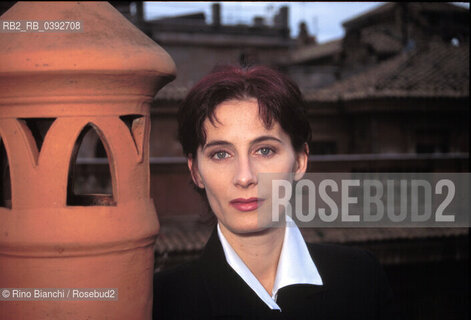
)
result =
(440, 70)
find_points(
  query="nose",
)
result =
(245, 175)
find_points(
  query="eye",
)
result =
(265, 151)
(220, 155)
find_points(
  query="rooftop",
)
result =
(304, 54)
(440, 70)
(380, 12)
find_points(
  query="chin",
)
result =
(246, 223)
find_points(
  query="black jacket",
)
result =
(355, 287)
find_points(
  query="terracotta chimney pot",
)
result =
(103, 78)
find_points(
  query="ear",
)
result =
(195, 174)
(301, 162)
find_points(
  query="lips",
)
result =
(245, 205)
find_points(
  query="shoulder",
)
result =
(181, 273)
(355, 277)
(177, 291)
(334, 253)
(345, 266)
(178, 281)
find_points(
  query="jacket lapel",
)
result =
(221, 281)
(230, 296)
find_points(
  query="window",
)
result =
(5, 186)
(90, 180)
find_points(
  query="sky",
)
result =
(323, 19)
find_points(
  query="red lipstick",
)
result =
(245, 205)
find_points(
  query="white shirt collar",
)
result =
(294, 267)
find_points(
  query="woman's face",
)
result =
(238, 147)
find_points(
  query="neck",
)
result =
(260, 251)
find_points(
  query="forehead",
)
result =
(239, 119)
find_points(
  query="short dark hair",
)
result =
(279, 99)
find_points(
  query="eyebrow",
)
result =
(216, 143)
(226, 143)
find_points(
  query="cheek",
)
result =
(215, 180)
(215, 188)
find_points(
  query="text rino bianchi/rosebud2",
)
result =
(24, 294)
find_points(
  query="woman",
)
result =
(233, 125)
